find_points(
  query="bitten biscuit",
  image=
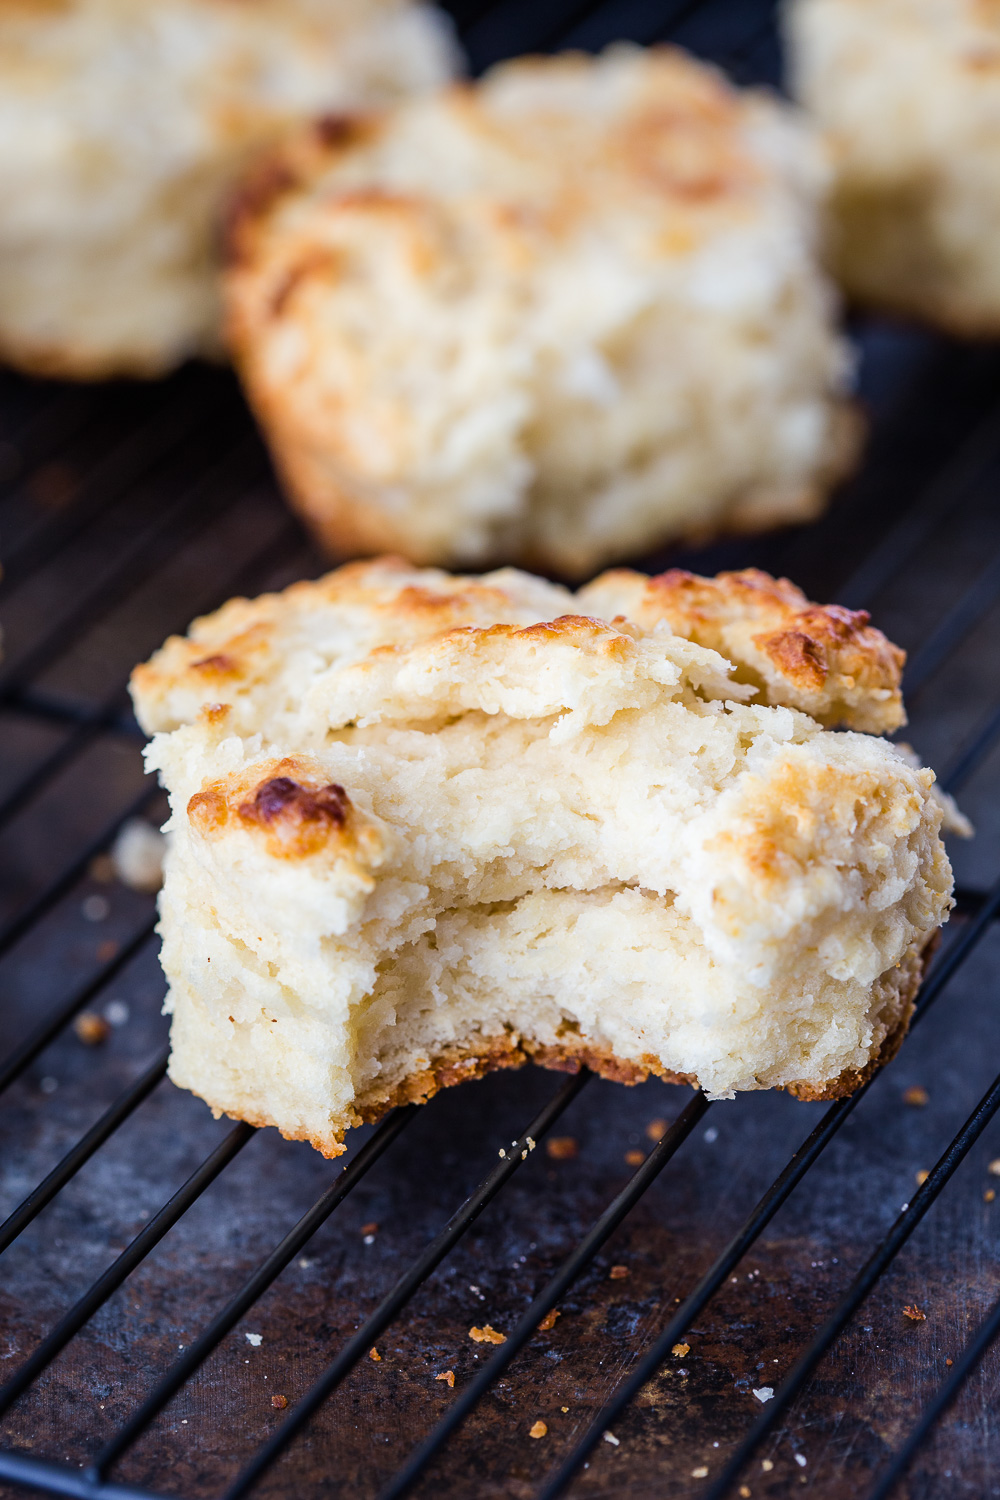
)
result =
(123, 124)
(424, 826)
(908, 94)
(562, 315)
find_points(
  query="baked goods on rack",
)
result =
(908, 94)
(559, 316)
(123, 124)
(425, 825)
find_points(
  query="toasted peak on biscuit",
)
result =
(559, 315)
(824, 659)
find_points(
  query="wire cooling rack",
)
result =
(142, 1240)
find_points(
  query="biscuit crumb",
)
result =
(256, 1339)
(564, 1408)
(137, 856)
(609, 1437)
(375, 1355)
(915, 1096)
(767, 1465)
(656, 1130)
(989, 1195)
(912, 1311)
(91, 1029)
(279, 1402)
(744, 1492)
(949, 1361)
(634, 1158)
(618, 1273)
(681, 1349)
(538, 1430)
(994, 1167)
(562, 1147)
(922, 1178)
(701, 1472)
(487, 1335)
(369, 1228)
(448, 1376)
(549, 1321)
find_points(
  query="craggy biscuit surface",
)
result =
(908, 95)
(123, 125)
(560, 315)
(427, 825)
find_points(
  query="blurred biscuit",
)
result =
(563, 315)
(122, 126)
(908, 95)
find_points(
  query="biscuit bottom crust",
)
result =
(460, 1064)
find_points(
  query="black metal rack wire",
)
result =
(157, 472)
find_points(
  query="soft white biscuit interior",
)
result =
(541, 831)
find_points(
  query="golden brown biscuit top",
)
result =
(378, 639)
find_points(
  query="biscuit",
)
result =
(561, 316)
(908, 94)
(123, 125)
(424, 826)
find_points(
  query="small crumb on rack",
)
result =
(949, 1361)
(487, 1335)
(369, 1228)
(256, 1339)
(767, 1465)
(618, 1273)
(912, 1311)
(538, 1430)
(994, 1167)
(634, 1158)
(609, 1437)
(800, 1459)
(744, 1492)
(549, 1321)
(922, 1177)
(91, 1029)
(915, 1096)
(137, 856)
(989, 1195)
(279, 1402)
(448, 1376)
(681, 1349)
(562, 1147)
(656, 1130)
(375, 1355)
(764, 1393)
(701, 1472)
